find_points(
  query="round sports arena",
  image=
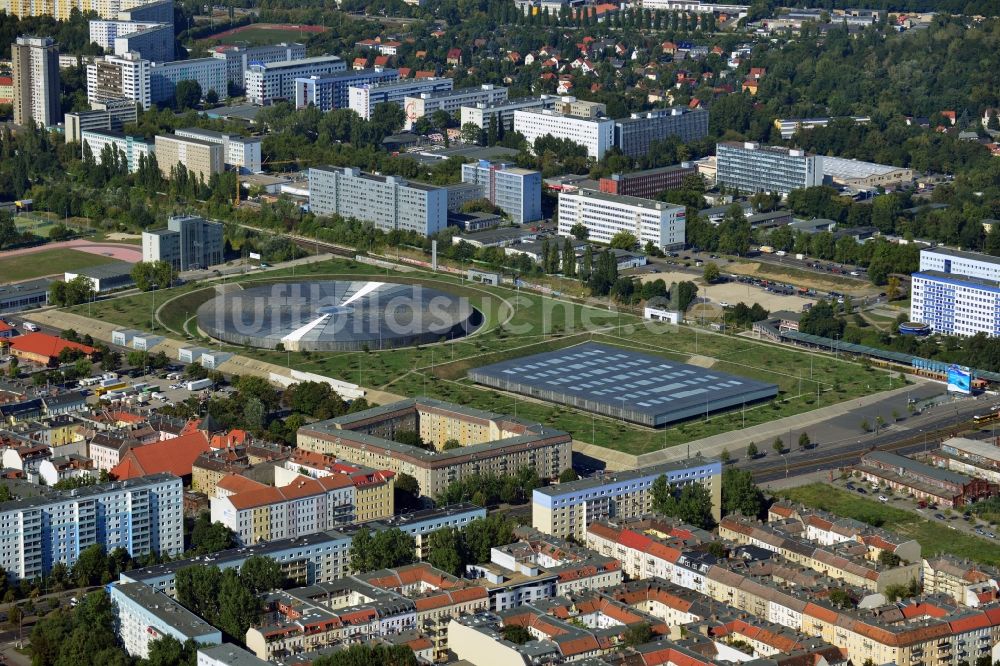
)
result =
(337, 316)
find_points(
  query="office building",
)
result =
(749, 167)
(306, 505)
(131, 147)
(517, 191)
(567, 509)
(239, 58)
(864, 175)
(647, 184)
(789, 126)
(238, 152)
(24, 295)
(450, 101)
(363, 99)
(604, 215)
(388, 202)
(112, 117)
(201, 158)
(152, 41)
(636, 134)
(144, 615)
(157, 11)
(330, 92)
(116, 78)
(489, 443)
(597, 135)
(188, 242)
(267, 83)
(499, 117)
(208, 73)
(140, 515)
(35, 65)
(956, 292)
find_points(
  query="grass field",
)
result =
(46, 262)
(262, 34)
(933, 537)
(531, 325)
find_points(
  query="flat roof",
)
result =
(962, 254)
(165, 609)
(957, 277)
(105, 271)
(246, 112)
(402, 83)
(841, 167)
(914, 467)
(187, 139)
(652, 204)
(455, 92)
(232, 655)
(638, 387)
(85, 491)
(28, 286)
(653, 172)
(598, 481)
(973, 446)
(291, 64)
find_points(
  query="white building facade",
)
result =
(132, 147)
(750, 167)
(597, 135)
(956, 293)
(124, 77)
(517, 191)
(363, 99)
(604, 215)
(270, 82)
(451, 101)
(145, 615)
(501, 115)
(238, 152)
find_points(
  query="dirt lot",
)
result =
(800, 278)
(734, 292)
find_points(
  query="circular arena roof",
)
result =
(337, 316)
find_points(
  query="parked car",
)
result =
(883, 498)
(862, 491)
(940, 516)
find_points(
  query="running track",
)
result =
(120, 251)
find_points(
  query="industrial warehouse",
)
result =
(640, 388)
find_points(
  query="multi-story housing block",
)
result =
(647, 184)
(566, 509)
(488, 443)
(597, 135)
(140, 515)
(204, 159)
(750, 167)
(957, 292)
(388, 202)
(517, 191)
(144, 615)
(271, 82)
(331, 92)
(604, 215)
(239, 152)
(117, 78)
(133, 148)
(450, 101)
(499, 117)
(35, 81)
(187, 242)
(636, 134)
(364, 98)
(208, 73)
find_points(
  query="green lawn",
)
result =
(46, 262)
(534, 325)
(934, 538)
(258, 36)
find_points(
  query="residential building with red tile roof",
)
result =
(175, 456)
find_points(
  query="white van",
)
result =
(28, 326)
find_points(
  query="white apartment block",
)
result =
(35, 70)
(597, 135)
(153, 41)
(305, 506)
(958, 262)
(145, 615)
(517, 191)
(270, 82)
(125, 77)
(133, 147)
(202, 158)
(239, 58)
(388, 202)
(956, 293)
(501, 115)
(208, 73)
(238, 152)
(62, 10)
(604, 215)
(451, 101)
(364, 98)
(141, 515)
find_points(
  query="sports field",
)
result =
(519, 325)
(264, 33)
(47, 262)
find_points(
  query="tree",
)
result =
(568, 258)
(740, 493)
(91, 566)
(238, 607)
(369, 654)
(208, 537)
(889, 559)
(624, 240)
(410, 438)
(752, 451)
(637, 634)
(73, 292)
(726, 457)
(382, 550)
(515, 633)
(892, 290)
(691, 503)
(804, 441)
(445, 551)
(212, 97)
(407, 493)
(261, 574)
(187, 94)
(711, 272)
(198, 590)
(822, 321)
(471, 133)
(579, 231)
(168, 651)
(149, 275)
(450, 444)
(568, 474)
(841, 598)
(778, 446)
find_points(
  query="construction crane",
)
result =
(236, 200)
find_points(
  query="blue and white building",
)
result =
(956, 292)
(364, 98)
(209, 73)
(132, 147)
(565, 509)
(239, 58)
(330, 92)
(144, 615)
(272, 82)
(142, 515)
(517, 191)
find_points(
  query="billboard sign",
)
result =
(959, 379)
